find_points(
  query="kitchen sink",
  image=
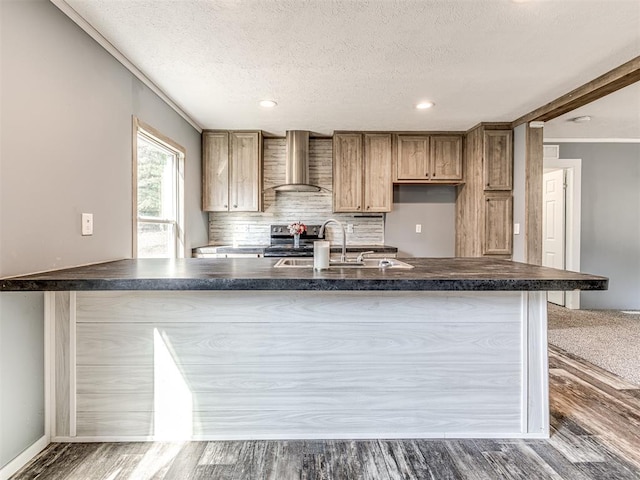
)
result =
(382, 263)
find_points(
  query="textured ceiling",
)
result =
(364, 64)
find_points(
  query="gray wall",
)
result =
(432, 206)
(66, 144)
(65, 148)
(21, 373)
(610, 222)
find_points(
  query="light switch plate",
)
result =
(87, 224)
(418, 228)
(516, 229)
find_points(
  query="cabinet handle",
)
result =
(434, 174)
(358, 207)
(368, 207)
(235, 206)
(225, 206)
(488, 184)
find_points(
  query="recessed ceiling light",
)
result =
(582, 119)
(424, 105)
(267, 103)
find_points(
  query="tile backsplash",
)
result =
(247, 228)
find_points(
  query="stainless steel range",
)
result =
(282, 242)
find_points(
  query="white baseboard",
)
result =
(301, 436)
(25, 457)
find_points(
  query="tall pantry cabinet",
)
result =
(484, 204)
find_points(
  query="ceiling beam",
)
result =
(614, 80)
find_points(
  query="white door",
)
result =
(553, 226)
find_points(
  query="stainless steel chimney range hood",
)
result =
(297, 164)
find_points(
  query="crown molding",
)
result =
(75, 17)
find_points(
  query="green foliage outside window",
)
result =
(153, 166)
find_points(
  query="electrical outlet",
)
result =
(516, 229)
(418, 228)
(87, 224)
(349, 227)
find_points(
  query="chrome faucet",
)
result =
(343, 257)
(360, 258)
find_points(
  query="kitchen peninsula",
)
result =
(238, 349)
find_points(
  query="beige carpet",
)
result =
(607, 338)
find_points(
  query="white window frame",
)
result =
(154, 136)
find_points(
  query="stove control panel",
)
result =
(283, 231)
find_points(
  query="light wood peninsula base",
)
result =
(146, 365)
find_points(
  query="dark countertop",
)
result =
(249, 249)
(259, 249)
(258, 274)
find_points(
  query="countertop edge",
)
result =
(317, 284)
(429, 274)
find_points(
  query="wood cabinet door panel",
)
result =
(215, 171)
(498, 214)
(244, 193)
(412, 157)
(498, 163)
(347, 172)
(446, 157)
(378, 187)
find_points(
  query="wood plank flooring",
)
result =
(595, 425)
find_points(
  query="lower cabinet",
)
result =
(498, 235)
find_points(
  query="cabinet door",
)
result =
(412, 157)
(498, 215)
(245, 192)
(215, 171)
(378, 186)
(498, 160)
(446, 157)
(347, 172)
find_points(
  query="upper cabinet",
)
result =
(347, 172)
(498, 160)
(428, 159)
(231, 171)
(412, 157)
(446, 157)
(362, 172)
(215, 171)
(245, 173)
(378, 188)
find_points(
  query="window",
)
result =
(158, 195)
